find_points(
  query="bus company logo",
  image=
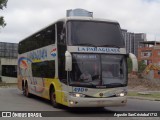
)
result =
(6, 114)
(53, 52)
(37, 54)
(101, 94)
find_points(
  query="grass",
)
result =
(151, 95)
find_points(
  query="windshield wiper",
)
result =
(110, 46)
(82, 84)
(87, 44)
(89, 82)
(83, 81)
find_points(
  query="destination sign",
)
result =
(84, 49)
(99, 49)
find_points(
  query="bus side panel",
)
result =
(57, 85)
(58, 88)
(65, 90)
(19, 82)
(19, 77)
(43, 89)
(61, 91)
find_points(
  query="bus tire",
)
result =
(23, 87)
(26, 91)
(23, 92)
(53, 98)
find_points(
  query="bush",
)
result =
(129, 63)
(141, 66)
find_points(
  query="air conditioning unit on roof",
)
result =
(79, 12)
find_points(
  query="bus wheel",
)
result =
(23, 91)
(26, 91)
(23, 87)
(53, 98)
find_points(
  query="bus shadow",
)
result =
(88, 112)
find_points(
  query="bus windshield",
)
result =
(94, 33)
(98, 70)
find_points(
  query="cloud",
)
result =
(26, 17)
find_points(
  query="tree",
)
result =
(3, 3)
(141, 66)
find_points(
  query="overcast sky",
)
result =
(24, 17)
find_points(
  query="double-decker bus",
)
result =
(76, 61)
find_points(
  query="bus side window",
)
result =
(40, 39)
(50, 35)
(44, 69)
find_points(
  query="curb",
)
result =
(143, 98)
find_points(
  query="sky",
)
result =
(24, 17)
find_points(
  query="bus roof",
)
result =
(73, 18)
(87, 19)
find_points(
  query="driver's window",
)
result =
(61, 33)
(61, 46)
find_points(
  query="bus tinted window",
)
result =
(38, 40)
(94, 34)
(44, 69)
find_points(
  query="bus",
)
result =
(67, 62)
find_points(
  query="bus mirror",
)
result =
(68, 61)
(134, 62)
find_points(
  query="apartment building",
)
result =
(132, 41)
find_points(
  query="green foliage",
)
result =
(141, 66)
(151, 95)
(3, 3)
(129, 62)
(2, 22)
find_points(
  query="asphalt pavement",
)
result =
(12, 99)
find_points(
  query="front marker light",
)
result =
(71, 102)
(77, 95)
(121, 94)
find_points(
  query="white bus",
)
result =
(76, 62)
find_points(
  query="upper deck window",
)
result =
(38, 40)
(91, 33)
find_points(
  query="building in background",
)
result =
(8, 68)
(138, 37)
(129, 40)
(149, 52)
(8, 50)
(132, 41)
(8, 62)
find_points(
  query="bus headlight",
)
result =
(122, 94)
(76, 95)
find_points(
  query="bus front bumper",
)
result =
(97, 102)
